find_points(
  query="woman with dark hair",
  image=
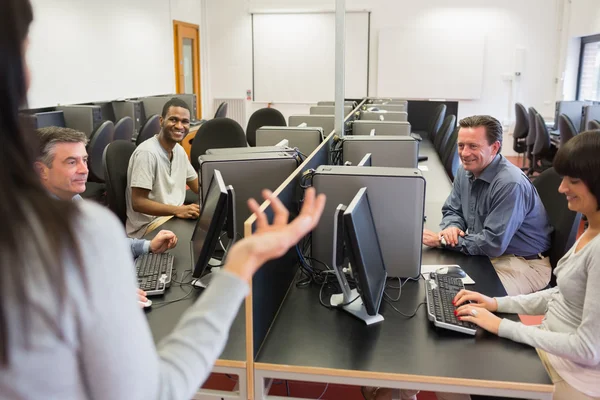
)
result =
(568, 340)
(70, 326)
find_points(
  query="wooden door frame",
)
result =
(178, 55)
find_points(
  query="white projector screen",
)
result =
(294, 56)
(425, 63)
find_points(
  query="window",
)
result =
(588, 83)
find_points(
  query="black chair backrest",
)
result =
(593, 125)
(216, 133)
(124, 129)
(521, 122)
(263, 117)
(566, 128)
(95, 148)
(441, 139)
(116, 161)
(532, 133)
(542, 138)
(450, 159)
(150, 128)
(221, 110)
(436, 122)
(564, 221)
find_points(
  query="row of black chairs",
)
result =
(532, 138)
(443, 133)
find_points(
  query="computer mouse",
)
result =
(452, 270)
(146, 304)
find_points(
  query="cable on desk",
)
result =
(166, 303)
(399, 287)
(401, 313)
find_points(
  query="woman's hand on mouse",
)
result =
(476, 299)
(480, 317)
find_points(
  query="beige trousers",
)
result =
(521, 276)
(156, 223)
(562, 390)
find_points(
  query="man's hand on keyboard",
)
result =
(476, 300)
(163, 241)
(480, 317)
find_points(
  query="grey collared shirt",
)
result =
(138, 246)
(500, 211)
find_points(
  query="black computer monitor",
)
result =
(363, 249)
(209, 225)
(230, 227)
(50, 118)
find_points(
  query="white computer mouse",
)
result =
(146, 304)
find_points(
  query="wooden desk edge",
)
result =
(527, 387)
(230, 363)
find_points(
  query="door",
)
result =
(187, 60)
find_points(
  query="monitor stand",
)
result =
(356, 307)
(205, 280)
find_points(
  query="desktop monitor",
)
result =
(364, 252)
(209, 225)
(230, 227)
(50, 118)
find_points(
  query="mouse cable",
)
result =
(399, 287)
(401, 313)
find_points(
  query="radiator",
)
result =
(236, 109)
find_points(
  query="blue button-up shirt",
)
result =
(500, 212)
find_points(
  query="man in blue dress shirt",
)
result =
(495, 210)
(62, 168)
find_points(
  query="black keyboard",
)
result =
(154, 272)
(441, 290)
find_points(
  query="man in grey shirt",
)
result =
(495, 210)
(158, 172)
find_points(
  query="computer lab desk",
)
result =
(163, 319)
(308, 342)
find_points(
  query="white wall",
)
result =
(508, 25)
(86, 50)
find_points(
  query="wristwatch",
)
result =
(443, 241)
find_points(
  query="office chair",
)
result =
(441, 139)
(564, 221)
(150, 128)
(124, 129)
(95, 148)
(530, 139)
(436, 122)
(216, 134)
(593, 125)
(521, 130)
(566, 128)
(115, 161)
(450, 158)
(542, 154)
(263, 117)
(221, 110)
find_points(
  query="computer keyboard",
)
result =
(154, 272)
(441, 290)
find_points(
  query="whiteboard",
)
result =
(424, 63)
(294, 56)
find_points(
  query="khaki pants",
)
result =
(157, 222)
(562, 390)
(521, 276)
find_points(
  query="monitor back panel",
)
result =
(397, 198)
(133, 109)
(386, 151)
(305, 139)
(397, 116)
(248, 150)
(572, 109)
(249, 174)
(154, 105)
(588, 114)
(325, 122)
(382, 128)
(328, 110)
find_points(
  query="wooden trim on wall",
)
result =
(178, 56)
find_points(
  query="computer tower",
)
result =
(589, 113)
(328, 110)
(49, 118)
(189, 99)
(249, 174)
(571, 109)
(386, 151)
(393, 128)
(84, 118)
(305, 139)
(397, 198)
(108, 111)
(397, 116)
(133, 109)
(325, 122)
